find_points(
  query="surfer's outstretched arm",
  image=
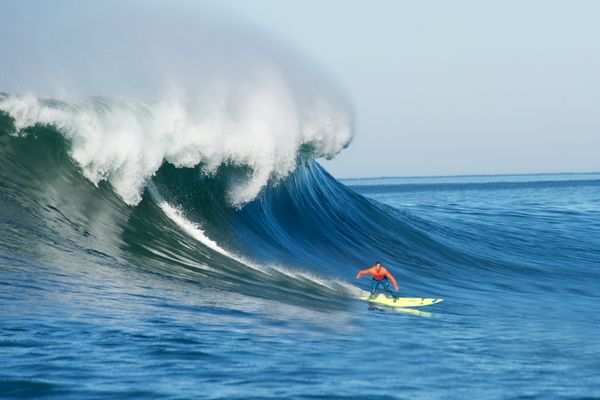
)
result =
(391, 278)
(363, 272)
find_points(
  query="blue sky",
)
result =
(460, 87)
(438, 87)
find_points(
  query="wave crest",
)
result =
(125, 142)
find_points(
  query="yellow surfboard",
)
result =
(401, 301)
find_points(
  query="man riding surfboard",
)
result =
(381, 276)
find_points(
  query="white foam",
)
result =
(189, 227)
(125, 142)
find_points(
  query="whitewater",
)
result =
(167, 231)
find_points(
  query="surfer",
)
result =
(381, 276)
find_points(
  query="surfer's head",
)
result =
(378, 265)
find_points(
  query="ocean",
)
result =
(177, 285)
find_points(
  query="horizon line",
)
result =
(470, 175)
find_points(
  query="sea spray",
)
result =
(199, 91)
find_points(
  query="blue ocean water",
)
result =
(101, 299)
(167, 233)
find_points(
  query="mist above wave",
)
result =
(133, 84)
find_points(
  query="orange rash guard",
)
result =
(383, 273)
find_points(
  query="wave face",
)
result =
(301, 226)
(305, 233)
(297, 215)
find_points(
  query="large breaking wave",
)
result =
(301, 239)
(188, 151)
(303, 235)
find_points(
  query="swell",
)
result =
(304, 235)
(301, 240)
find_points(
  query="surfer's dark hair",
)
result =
(377, 262)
